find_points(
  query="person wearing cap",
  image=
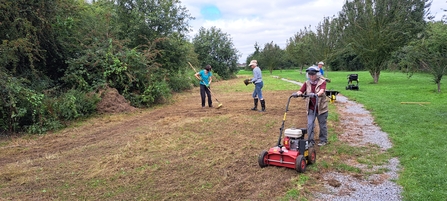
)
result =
(205, 76)
(320, 66)
(313, 66)
(257, 81)
(321, 71)
(317, 108)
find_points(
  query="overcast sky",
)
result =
(263, 21)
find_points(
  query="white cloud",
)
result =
(263, 21)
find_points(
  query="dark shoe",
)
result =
(255, 101)
(263, 105)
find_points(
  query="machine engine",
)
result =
(292, 138)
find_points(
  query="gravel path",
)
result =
(363, 131)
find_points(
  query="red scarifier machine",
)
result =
(294, 151)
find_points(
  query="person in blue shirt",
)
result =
(321, 73)
(205, 76)
(320, 66)
(257, 81)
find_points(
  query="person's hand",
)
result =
(247, 82)
(312, 95)
(208, 85)
(295, 95)
(328, 80)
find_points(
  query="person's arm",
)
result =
(322, 89)
(302, 89)
(197, 76)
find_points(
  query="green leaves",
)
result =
(375, 28)
(216, 48)
(427, 54)
(131, 45)
(271, 56)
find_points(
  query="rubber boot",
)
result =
(263, 105)
(255, 101)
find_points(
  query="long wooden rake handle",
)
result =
(194, 71)
(192, 67)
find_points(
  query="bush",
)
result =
(156, 92)
(71, 105)
(74, 104)
(19, 106)
(180, 82)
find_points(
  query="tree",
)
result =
(326, 39)
(28, 40)
(428, 53)
(151, 19)
(255, 56)
(300, 48)
(271, 56)
(376, 28)
(131, 49)
(216, 49)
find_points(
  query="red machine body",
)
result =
(294, 154)
(283, 157)
(293, 151)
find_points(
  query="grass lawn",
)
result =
(417, 130)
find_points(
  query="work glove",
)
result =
(247, 82)
(295, 95)
(328, 80)
(312, 95)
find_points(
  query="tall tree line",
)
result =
(365, 35)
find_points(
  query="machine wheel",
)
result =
(312, 157)
(300, 164)
(262, 159)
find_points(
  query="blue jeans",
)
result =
(258, 90)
